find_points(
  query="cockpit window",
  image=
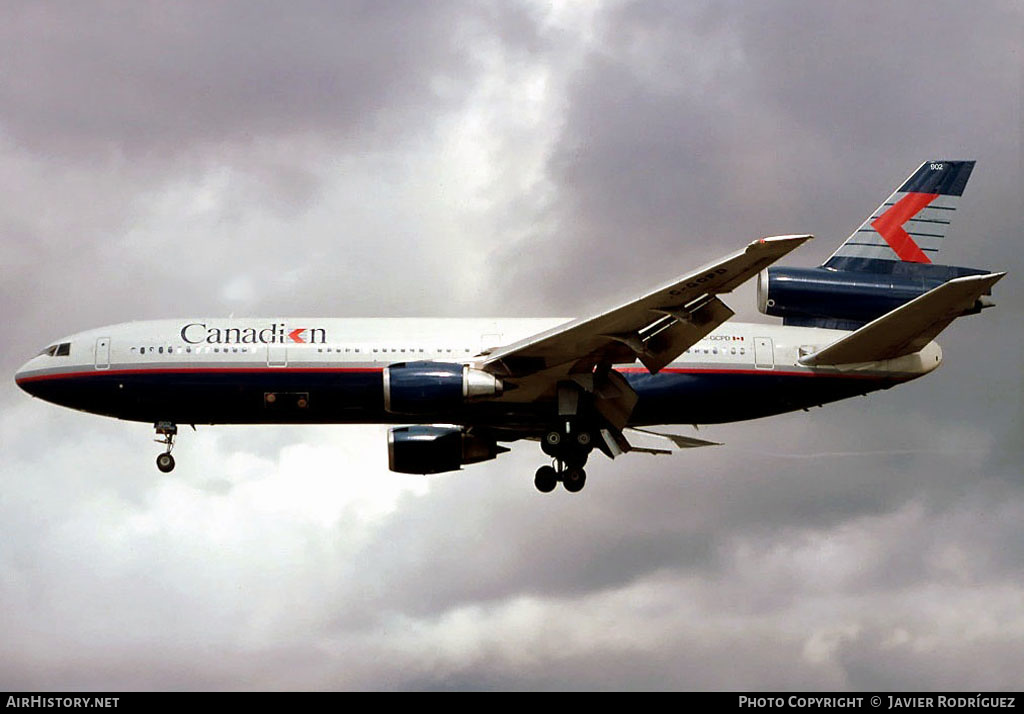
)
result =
(61, 350)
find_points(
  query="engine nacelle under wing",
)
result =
(436, 449)
(433, 387)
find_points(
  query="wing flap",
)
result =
(684, 330)
(910, 327)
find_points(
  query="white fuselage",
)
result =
(198, 343)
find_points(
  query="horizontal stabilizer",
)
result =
(910, 327)
(677, 441)
(614, 442)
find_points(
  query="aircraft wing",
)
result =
(654, 328)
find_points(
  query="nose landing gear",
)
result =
(168, 430)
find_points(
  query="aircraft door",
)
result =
(277, 356)
(103, 353)
(764, 355)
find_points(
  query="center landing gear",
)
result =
(168, 430)
(570, 448)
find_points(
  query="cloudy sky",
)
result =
(500, 159)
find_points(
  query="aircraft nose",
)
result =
(21, 377)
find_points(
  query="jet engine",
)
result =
(430, 387)
(845, 299)
(436, 449)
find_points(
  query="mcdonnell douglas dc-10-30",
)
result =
(459, 388)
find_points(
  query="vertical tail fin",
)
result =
(912, 223)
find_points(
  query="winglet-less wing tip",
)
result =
(762, 253)
(789, 242)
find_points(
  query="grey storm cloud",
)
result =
(469, 158)
(701, 126)
(151, 80)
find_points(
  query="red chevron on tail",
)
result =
(890, 226)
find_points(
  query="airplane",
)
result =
(457, 389)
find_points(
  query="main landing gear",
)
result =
(574, 479)
(569, 447)
(168, 430)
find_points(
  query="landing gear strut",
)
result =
(168, 430)
(569, 446)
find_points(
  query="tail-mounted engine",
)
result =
(822, 297)
(436, 449)
(431, 387)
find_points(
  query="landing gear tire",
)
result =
(574, 480)
(551, 444)
(583, 439)
(165, 462)
(168, 430)
(546, 479)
